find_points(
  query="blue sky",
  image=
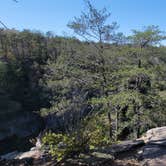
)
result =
(53, 15)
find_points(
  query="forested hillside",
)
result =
(90, 92)
(49, 74)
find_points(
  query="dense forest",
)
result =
(91, 91)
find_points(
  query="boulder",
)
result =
(155, 135)
(34, 153)
(154, 152)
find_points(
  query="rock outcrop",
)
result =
(154, 152)
(16, 130)
(150, 150)
(22, 125)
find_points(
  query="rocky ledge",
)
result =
(149, 150)
(154, 151)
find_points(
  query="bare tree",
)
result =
(3, 24)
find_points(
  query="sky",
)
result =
(53, 15)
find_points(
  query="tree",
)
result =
(149, 36)
(92, 26)
(25, 56)
(119, 39)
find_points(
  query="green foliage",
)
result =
(60, 145)
(150, 35)
(93, 133)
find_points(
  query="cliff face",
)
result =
(15, 131)
(16, 125)
(22, 125)
(154, 151)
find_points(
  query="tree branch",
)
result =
(3, 25)
(2, 22)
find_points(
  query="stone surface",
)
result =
(35, 154)
(154, 152)
(150, 150)
(122, 147)
(155, 134)
(127, 146)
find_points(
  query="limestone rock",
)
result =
(155, 134)
(35, 154)
(154, 153)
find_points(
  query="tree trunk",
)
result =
(110, 123)
(139, 63)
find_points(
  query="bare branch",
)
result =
(2, 22)
(3, 25)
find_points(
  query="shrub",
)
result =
(92, 133)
